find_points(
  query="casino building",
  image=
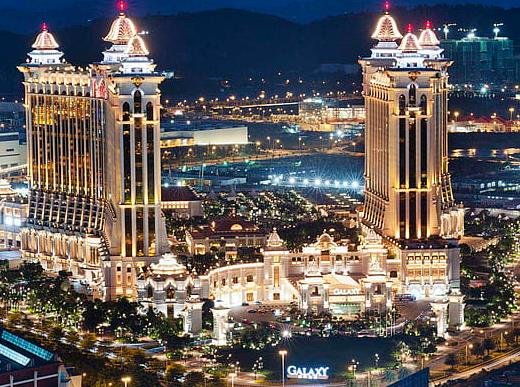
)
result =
(95, 189)
(94, 162)
(408, 195)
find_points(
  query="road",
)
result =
(506, 359)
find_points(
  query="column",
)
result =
(220, 324)
(439, 309)
(456, 309)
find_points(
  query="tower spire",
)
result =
(386, 28)
(387, 7)
(122, 6)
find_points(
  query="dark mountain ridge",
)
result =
(232, 44)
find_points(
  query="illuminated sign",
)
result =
(311, 373)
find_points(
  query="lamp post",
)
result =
(232, 376)
(511, 111)
(468, 347)
(283, 354)
(126, 380)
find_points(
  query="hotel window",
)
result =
(138, 96)
(276, 296)
(149, 111)
(412, 153)
(402, 152)
(249, 297)
(276, 276)
(235, 280)
(223, 282)
(249, 278)
(402, 105)
(412, 94)
(423, 105)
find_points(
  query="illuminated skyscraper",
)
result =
(408, 195)
(94, 161)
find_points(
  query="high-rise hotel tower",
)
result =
(94, 161)
(408, 195)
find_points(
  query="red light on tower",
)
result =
(428, 24)
(45, 27)
(122, 6)
(387, 6)
(409, 28)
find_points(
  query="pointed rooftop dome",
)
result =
(427, 38)
(136, 47)
(45, 40)
(122, 29)
(274, 239)
(410, 42)
(386, 28)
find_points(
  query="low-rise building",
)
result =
(225, 234)
(184, 133)
(183, 202)
(168, 287)
(23, 363)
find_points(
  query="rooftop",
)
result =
(17, 353)
(178, 194)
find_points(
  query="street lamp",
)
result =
(232, 375)
(468, 346)
(511, 111)
(283, 354)
(376, 359)
(126, 380)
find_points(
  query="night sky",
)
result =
(23, 15)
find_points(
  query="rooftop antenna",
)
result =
(496, 29)
(446, 29)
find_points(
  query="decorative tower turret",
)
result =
(408, 196)
(45, 49)
(137, 233)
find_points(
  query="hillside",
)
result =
(235, 44)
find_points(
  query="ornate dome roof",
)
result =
(410, 42)
(274, 239)
(168, 265)
(122, 30)
(136, 47)
(386, 29)
(45, 40)
(427, 38)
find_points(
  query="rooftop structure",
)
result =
(24, 363)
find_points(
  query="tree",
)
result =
(479, 350)
(488, 345)
(173, 374)
(94, 314)
(389, 375)
(194, 379)
(88, 341)
(452, 360)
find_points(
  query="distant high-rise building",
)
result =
(408, 195)
(94, 161)
(482, 60)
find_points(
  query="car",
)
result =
(251, 311)
(245, 304)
